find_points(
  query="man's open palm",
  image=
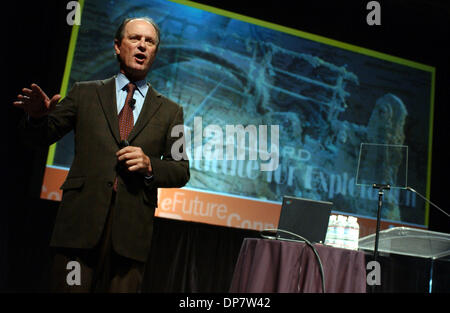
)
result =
(35, 102)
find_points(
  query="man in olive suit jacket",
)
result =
(105, 219)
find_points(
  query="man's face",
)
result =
(137, 50)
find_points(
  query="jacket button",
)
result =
(110, 184)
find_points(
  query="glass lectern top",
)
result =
(409, 241)
(382, 164)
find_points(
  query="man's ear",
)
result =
(117, 46)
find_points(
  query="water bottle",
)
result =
(330, 238)
(340, 237)
(354, 232)
(347, 239)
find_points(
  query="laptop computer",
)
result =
(304, 217)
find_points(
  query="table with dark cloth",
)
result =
(267, 266)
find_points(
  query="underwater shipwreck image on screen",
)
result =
(324, 97)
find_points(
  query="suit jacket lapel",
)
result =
(107, 96)
(151, 105)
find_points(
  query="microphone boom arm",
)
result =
(410, 189)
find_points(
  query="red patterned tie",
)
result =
(126, 120)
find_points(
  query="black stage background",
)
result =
(190, 256)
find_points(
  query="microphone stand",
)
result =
(381, 188)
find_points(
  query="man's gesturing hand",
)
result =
(135, 160)
(35, 102)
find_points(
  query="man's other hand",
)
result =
(135, 160)
(35, 102)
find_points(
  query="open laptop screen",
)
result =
(305, 217)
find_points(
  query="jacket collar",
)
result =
(107, 96)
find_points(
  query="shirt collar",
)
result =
(122, 81)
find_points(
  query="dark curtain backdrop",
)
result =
(196, 257)
(192, 257)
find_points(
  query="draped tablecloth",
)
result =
(268, 266)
